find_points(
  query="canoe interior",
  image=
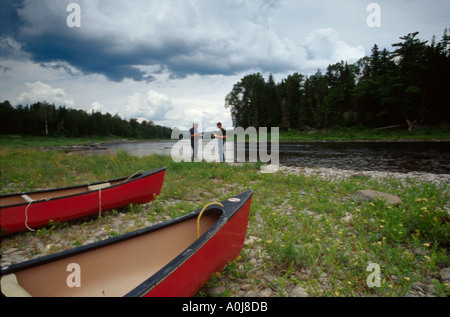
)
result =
(16, 199)
(116, 269)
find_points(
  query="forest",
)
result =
(42, 118)
(408, 86)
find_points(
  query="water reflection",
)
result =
(431, 157)
(141, 149)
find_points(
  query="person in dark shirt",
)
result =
(222, 137)
(194, 140)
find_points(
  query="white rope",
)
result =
(47, 199)
(26, 216)
(141, 171)
(26, 211)
(99, 202)
(100, 192)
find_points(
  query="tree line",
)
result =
(42, 118)
(408, 86)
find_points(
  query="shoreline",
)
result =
(312, 223)
(336, 173)
(323, 172)
(368, 141)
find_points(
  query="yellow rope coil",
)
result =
(200, 215)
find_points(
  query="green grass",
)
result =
(298, 221)
(359, 133)
(333, 134)
(27, 140)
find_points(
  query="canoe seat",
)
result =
(11, 288)
(27, 198)
(99, 186)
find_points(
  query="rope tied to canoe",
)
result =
(200, 215)
(99, 202)
(137, 172)
(30, 201)
(100, 191)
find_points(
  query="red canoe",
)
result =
(19, 212)
(174, 258)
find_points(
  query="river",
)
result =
(403, 157)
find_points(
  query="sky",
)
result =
(174, 61)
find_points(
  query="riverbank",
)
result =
(360, 134)
(307, 235)
(332, 174)
(338, 134)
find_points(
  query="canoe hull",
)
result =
(141, 190)
(222, 248)
(143, 263)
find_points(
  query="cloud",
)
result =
(98, 107)
(39, 91)
(152, 105)
(324, 47)
(118, 39)
(10, 48)
(5, 69)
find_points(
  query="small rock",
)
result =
(318, 217)
(100, 233)
(308, 212)
(253, 253)
(116, 224)
(216, 290)
(348, 218)
(11, 250)
(418, 286)
(429, 289)
(269, 278)
(360, 175)
(323, 278)
(369, 195)
(299, 292)
(245, 287)
(445, 275)
(266, 293)
(5, 263)
(251, 240)
(304, 275)
(194, 198)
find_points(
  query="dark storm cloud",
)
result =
(9, 21)
(89, 56)
(40, 29)
(121, 39)
(117, 37)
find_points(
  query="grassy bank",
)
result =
(47, 141)
(28, 140)
(303, 231)
(334, 134)
(357, 133)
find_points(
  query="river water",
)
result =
(403, 157)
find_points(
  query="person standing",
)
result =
(194, 140)
(222, 137)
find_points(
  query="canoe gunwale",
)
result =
(92, 246)
(159, 276)
(170, 267)
(142, 289)
(137, 177)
